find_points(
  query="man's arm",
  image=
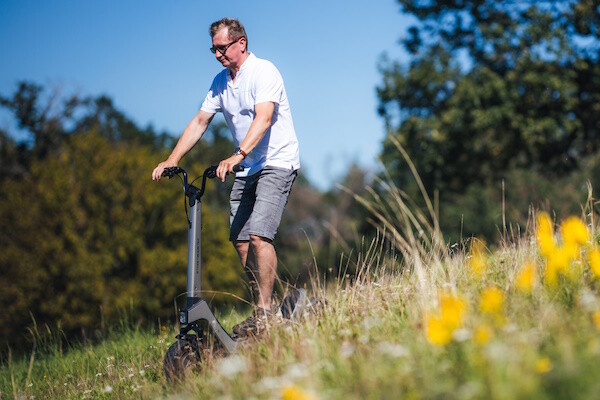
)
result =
(190, 136)
(263, 113)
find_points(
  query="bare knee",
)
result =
(241, 246)
(259, 242)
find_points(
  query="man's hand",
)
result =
(226, 166)
(157, 173)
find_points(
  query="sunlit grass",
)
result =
(419, 319)
(501, 336)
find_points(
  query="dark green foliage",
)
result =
(493, 91)
(86, 234)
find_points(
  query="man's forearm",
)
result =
(190, 136)
(255, 134)
(260, 124)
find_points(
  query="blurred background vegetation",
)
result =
(497, 108)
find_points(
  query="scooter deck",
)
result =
(291, 308)
(200, 311)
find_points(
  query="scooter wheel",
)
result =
(181, 359)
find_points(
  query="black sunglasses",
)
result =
(223, 49)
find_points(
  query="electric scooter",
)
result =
(199, 328)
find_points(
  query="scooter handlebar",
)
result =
(211, 171)
(170, 172)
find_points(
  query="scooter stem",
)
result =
(194, 251)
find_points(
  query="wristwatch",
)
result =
(238, 150)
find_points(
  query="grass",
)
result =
(127, 363)
(419, 319)
(372, 342)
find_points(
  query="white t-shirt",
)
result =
(257, 81)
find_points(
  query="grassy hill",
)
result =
(521, 321)
(418, 319)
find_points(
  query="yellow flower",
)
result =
(574, 231)
(492, 300)
(563, 256)
(294, 393)
(544, 234)
(437, 332)
(550, 275)
(594, 260)
(453, 310)
(483, 334)
(596, 319)
(526, 279)
(478, 258)
(543, 365)
(559, 262)
(450, 317)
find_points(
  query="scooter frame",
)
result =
(197, 309)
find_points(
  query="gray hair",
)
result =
(235, 29)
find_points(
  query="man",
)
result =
(251, 95)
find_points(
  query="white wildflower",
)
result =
(511, 328)
(345, 332)
(392, 350)
(269, 384)
(296, 372)
(231, 366)
(462, 335)
(587, 300)
(369, 323)
(346, 350)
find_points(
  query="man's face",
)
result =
(228, 52)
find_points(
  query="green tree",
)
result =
(87, 235)
(88, 238)
(492, 87)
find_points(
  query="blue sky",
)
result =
(151, 57)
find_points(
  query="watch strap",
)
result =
(238, 150)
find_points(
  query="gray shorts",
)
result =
(257, 202)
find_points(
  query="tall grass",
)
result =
(419, 319)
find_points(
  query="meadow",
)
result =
(418, 318)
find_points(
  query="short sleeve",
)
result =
(269, 85)
(212, 102)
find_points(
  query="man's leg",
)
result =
(259, 261)
(248, 260)
(266, 259)
(259, 222)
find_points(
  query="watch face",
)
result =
(238, 150)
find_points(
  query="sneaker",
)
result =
(257, 323)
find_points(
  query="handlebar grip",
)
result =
(211, 172)
(169, 172)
